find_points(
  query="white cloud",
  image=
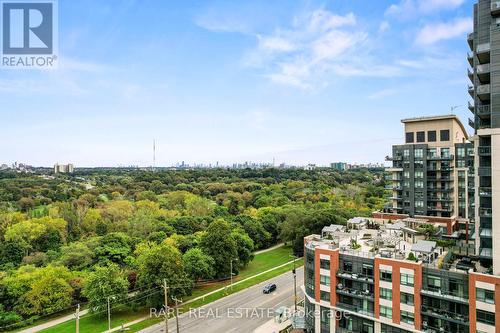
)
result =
(433, 33)
(383, 27)
(428, 6)
(275, 44)
(408, 8)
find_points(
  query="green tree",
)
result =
(218, 243)
(156, 262)
(103, 282)
(198, 264)
(114, 247)
(244, 246)
(76, 255)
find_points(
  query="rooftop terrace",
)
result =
(402, 240)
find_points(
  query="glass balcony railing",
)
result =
(483, 110)
(446, 315)
(483, 69)
(430, 291)
(485, 47)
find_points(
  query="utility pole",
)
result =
(78, 319)
(165, 289)
(177, 313)
(109, 316)
(231, 273)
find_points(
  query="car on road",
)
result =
(269, 288)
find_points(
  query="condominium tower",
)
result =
(484, 59)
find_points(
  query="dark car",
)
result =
(269, 288)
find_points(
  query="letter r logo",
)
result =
(27, 27)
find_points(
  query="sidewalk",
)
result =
(51, 323)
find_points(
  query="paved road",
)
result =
(222, 315)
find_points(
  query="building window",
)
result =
(324, 296)
(419, 174)
(407, 317)
(419, 204)
(324, 280)
(485, 317)
(434, 283)
(460, 151)
(470, 151)
(407, 174)
(484, 295)
(324, 264)
(367, 270)
(460, 163)
(406, 152)
(444, 135)
(407, 299)
(419, 153)
(386, 276)
(386, 312)
(409, 137)
(347, 266)
(420, 136)
(407, 279)
(386, 293)
(445, 152)
(431, 136)
(419, 184)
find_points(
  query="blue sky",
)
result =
(231, 81)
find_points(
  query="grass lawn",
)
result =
(99, 322)
(262, 262)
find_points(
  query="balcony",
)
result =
(440, 157)
(438, 293)
(440, 189)
(485, 192)
(354, 308)
(436, 199)
(355, 276)
(470, 40)
(355, 293)
(485, 233)
(483, 92)
(445, 315)
(471, 106)
(394, 158)
(483, 73)
(440, 209)
(484, 151)
(483, 111)
(470, 58)
(495, 7)
(483, 53)
(440, 179)
(471, 123)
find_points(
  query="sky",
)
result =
(233, 81)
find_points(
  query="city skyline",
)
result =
(309, 82)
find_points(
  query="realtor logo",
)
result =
(28, 34)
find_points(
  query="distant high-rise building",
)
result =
(340, 166)
(63, 168)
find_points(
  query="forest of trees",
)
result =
(80, 238)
